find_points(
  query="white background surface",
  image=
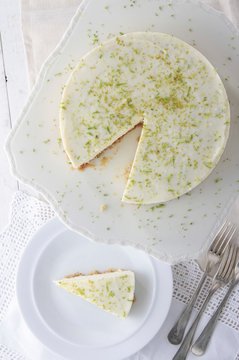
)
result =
(17, 88)
(13, 93)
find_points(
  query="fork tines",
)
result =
(223, 238)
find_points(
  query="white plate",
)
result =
(181, 228)
(71, 326)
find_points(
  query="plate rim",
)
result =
(126, 347)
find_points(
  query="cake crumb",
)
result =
(104, 161)
(103, 207)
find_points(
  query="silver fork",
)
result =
(222, 277)
(215, 252)
(203, 340)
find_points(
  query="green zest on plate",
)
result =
(111, 291)
(162, 82)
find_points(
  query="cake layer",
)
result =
(167, 85)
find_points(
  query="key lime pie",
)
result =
(166, 85)
(112, 291)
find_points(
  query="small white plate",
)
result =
(70, 326)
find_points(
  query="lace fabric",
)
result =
(186, 277)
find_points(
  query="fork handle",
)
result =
(182, 352)
(176, 334)
(203, 340)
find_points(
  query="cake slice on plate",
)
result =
(112, 291)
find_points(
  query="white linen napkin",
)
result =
(17, 342)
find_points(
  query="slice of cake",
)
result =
(162, 82)
(111, 291)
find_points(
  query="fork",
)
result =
(222, 277)
(203, 340)
(215, 252)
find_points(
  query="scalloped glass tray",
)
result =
(179, 229)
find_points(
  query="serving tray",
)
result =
(89, 201)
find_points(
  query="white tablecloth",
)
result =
(44, 22)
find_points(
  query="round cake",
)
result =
(166, 85)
